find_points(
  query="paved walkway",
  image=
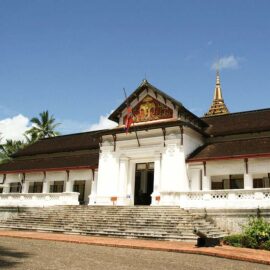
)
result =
(242, 254)
(22, 254)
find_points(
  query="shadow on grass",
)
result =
(9, 258)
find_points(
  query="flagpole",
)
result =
(135, 129)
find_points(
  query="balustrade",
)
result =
(38, 199)
(224, 199)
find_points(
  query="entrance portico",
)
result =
(120, 167)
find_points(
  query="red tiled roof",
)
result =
(238, 123)
(232, 149)
(66, 143)
(51, 163)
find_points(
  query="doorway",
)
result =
(144, 183)
(79, 186)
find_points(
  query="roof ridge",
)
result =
(237, 140)
(73, 134)
(235, 113)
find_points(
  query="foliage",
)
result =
(233, 240)
(43, 127)
(31, 138)
(10, 148)
(259, 229)
(249, 242)
(256, 234)
(266, 245)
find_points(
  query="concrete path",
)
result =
(29, 254)
(242, 254)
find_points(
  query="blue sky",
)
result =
(74, 57)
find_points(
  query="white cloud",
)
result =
(14, 127)
(104, 123)
(226, 62)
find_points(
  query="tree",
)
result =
(30, 137)
(10, 148)
(43, 127)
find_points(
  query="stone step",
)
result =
(109, 222)
(116, 217)
(134, 225)
(127, 234)
(170, 223)
(113, 220)
(113, 223)
(75, 224)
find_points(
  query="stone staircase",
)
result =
(148, 222)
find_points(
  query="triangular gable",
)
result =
(171, 108)
(150, 109)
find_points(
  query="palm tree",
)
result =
(30, 137)
(10, 148)
(43, 127)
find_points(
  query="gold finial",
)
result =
(217, 77)
(218, 93)
(218, 106)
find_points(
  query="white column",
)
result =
(92, 196)
(206, 183)
(46, 184)
(131, 182)
(6, 188)
(174, 177)
(195, 175)
(174, 174)
(248, 181)
(25, 187)
(94, 183)
(157, 176)
(108, 175)
(123, 179)
(45, 188)
(69, 186)
(68, 183)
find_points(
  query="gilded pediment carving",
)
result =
(150, 109)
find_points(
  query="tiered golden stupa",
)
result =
(218, 106)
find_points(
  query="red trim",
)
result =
(230, 157)
(50, 169)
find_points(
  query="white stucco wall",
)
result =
(80, 175)
(34, 177)
(47, 177)
(116, 172)
(192, 140)
(225, 167)
(10, 178)
(222, 169)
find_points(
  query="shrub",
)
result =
(266, 245)
(256, 234)
(249, 242)
(233, 240)
(258, 229)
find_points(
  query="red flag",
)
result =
(129, 119)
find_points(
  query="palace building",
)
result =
(169, 156)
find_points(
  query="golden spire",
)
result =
(218, 106)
